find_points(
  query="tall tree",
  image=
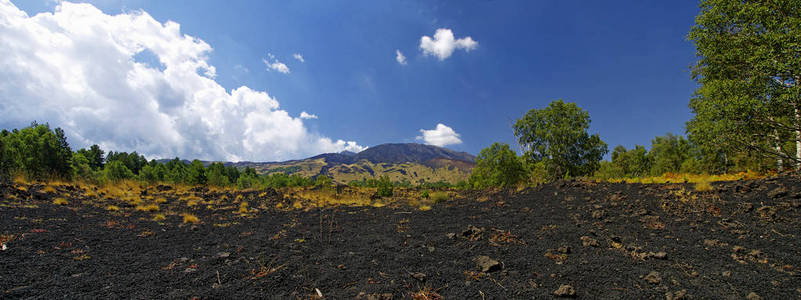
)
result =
(557, 136)
(498, 166)
(749, 70)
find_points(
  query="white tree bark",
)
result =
(797, 138)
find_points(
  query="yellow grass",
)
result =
(147, 208)
(160, 217)
(189, 218)
(60, 201)
(161, 200)
(243, 208)
(112, 208)
(690, 178)
(49, 189)
(703, 186)
(424, 207)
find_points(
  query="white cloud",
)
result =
(299, 57)
(400, 58)
(77, 68)
(275, 64)
(305, 115)
(440, 136)
(443, 44)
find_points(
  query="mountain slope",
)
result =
(411, 162)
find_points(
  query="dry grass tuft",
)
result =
(148, 208)
(243, 208)
(60, 201)
(160, 217)
(49, 189)
(189, 218)
(112, 208)
(703, 186)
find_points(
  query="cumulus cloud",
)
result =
(275, 64)
(440, 136)
(400, 58)
(444, 43)
(80, 69)
(305, 115)
(298, 57)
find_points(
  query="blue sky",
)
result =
(626, 62)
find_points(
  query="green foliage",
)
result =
(384, 186)
(668, 154)
(81, 168)
(37, 152)
(217, 175)
(195, 173)
(116, 170)
(6, 163)
(631, 163)
(749, 74)
(94, 156)
(323, 181)
(497, 165)
(557, 136)
(133, 161)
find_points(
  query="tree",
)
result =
(384, 186)
(497, 166)
(216, 175)
(631, 163)
(115, 170)
(195, 173)
(669, 152)
(557, 137)
(6, 163)
(39, 152)
(749, 71)
(94, 155)
(80, 167)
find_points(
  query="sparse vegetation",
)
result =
(190, 219)
(60, 201)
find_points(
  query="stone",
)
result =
(677, 295)
(753, 296)
(418, 276)
(777, 193)
(589, 242)
(487, 264)
(653, 277)
(658, 255)
(726, 273)
(565, 290)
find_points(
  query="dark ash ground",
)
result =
(604, 240)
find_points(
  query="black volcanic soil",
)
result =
(604, 240)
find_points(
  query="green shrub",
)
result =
(384, 186)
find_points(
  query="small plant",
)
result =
(161, 200)
(424, 194)
(60, 201)
(159, 217)
(438, 197)
(112, 208)
(424, 208)
(384, 187)
(49, 189)
(243, 208)
(703, 186)
(189, 218)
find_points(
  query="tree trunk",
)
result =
(797, 138)
(778, 147)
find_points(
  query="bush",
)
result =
(116, 170)
(384, 186)
(497, 166)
